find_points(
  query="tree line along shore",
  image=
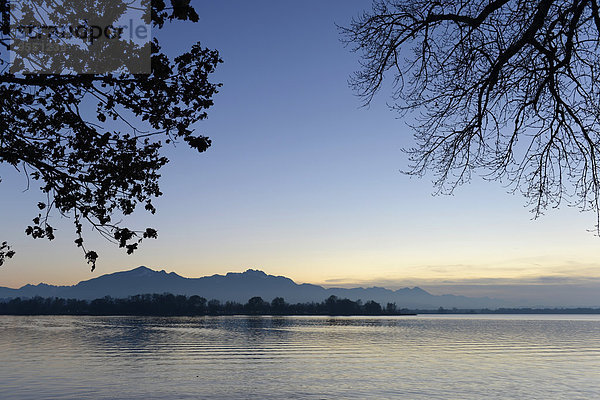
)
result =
(179, 305)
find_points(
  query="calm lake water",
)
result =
(422, 357)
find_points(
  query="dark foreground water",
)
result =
(423, 357)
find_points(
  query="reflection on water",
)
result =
(423, 357)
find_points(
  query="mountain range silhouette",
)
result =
(239, 287)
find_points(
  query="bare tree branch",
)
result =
(507, 89)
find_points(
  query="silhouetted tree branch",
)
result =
(506, 89)
(93, 141)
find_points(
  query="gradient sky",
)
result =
(303, 182)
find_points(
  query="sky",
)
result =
(303, 181)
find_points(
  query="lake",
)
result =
(416, 357)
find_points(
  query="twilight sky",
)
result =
(303, 182)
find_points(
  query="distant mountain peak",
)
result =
(251, 271)
(141, 268)
(142, 271)
(39, 285)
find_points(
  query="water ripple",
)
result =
(300, 357)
